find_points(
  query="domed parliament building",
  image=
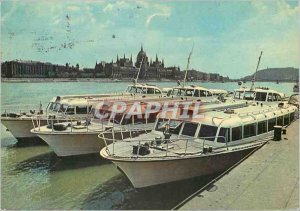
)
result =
(126, 68)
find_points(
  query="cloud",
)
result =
(150, 18)
(184, 39)
(73, 8)
(110, 7)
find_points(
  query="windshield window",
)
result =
(189, 92)
(177, 92)
(249, 95)
(70, 110)
(51, 106)
(261, 96)
(239, 95)
(175, 125)
(56, 107)
(224, 135)
(81, 110)
(189, 129)
(208, 131)
(63, 108)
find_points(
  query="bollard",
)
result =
(277, 133)
(284, 131)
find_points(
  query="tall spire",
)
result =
(156, 58)
(142, 47)
(131, 58)
(124, 55)
(117, 57)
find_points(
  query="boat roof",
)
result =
(258, 89)
(233, 117)
(144, 86)
(191, 87)
(214, 91)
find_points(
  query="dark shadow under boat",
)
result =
(118, 193)
(51, 162)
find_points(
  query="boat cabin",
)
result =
(143, 89)
(191, 91)
(231, 127)
(70, 106)
(258, 94)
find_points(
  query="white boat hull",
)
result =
(73, 144)
(148, 173)
(20, 128)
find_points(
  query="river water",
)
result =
(33, 177)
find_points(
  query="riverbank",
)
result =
(42, 80)
(267, 180)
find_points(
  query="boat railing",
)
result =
(256, 112)
(69, 121)
(199, 145)
(19, 110)
(80, 122)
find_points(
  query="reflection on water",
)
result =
(118, 193)
(51, 162)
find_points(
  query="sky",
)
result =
(227, 35)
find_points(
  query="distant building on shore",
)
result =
(121, 68)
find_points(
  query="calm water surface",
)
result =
(33, 177)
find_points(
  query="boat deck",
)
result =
(268, 179)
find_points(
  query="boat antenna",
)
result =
(137, 76)
(254, 76)
(188, 64)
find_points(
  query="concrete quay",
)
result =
(268, 179)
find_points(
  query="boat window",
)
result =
(139, 120)
(157, 91)
(189, 92)
(175, 92)
(202, 93)
(51, 105)
(286, 119)
(274, 97)
(249, 95)
(261, 96)
(261, 127)
(271, 124)
(127, 120)
(81, 110)
(189, 129)
(236, 133)
(238, 95)
(175, 126)
(56, 107)
(151, 117)
(292, 116)
(249, 130)
(63, 108)
(150, 91)
(224, 132)
(70, 110)
(161, 124)
(270, 98)
(117, 119)
(197, 93)
(209, 93)
(208, 131)
(278, 97)
(280, 120)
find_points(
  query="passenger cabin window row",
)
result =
(209, 132)
(191, 92)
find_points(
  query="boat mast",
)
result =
(188, 64)
(137, 77)
(254, 76)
